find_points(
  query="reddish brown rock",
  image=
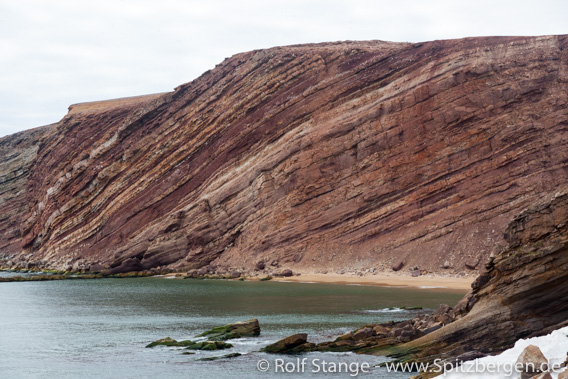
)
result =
(260, 266)
(97, 268)
(532, 361)
(363, 333)
(398, 266)
(472, 263)
(285, 273)
(296, 343)
(521, 294)
(17, 154)
(313, 155)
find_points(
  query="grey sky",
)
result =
(59, 52)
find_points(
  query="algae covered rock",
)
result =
(163, 342)
(191, 345)
(232, 355)
(249, 328)
(209, 345)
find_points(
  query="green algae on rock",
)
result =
(191, 345)
(38, 278)
(249, 328)
(232, 355)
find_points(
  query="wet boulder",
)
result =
(191, 345)
(250, 328)
(296, 343)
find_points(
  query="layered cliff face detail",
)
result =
(521, 293)
(17, 153)
(353, 154)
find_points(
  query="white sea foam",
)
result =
(250, 342)
(384, 310)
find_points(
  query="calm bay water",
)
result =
(98, 328)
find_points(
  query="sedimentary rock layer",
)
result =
(522, 292)
(351, 154)
(17, 153)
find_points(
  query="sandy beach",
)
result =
(383, 279)
(388, 280)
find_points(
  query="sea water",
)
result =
(99, 328)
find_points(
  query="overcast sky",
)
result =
(54, 53)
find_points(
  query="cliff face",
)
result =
(522, 292)
(17, 153)
(353, 154)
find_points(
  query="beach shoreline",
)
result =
(461, 285)
(380, 279)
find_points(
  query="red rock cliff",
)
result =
(352, 154)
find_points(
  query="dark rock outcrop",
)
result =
(191, 345)
(231, 355)
(250, 328)
(310, 155)
(297, 343)
(285, 273)
(397, 266)
(373, 337)
(17, 154)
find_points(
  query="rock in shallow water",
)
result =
(232, 355)
(191, 345)
(249, 328)
(295, 343)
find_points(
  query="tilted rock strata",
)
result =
(249, 328)
(17, 153)
(352, 154)
(522, 293)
